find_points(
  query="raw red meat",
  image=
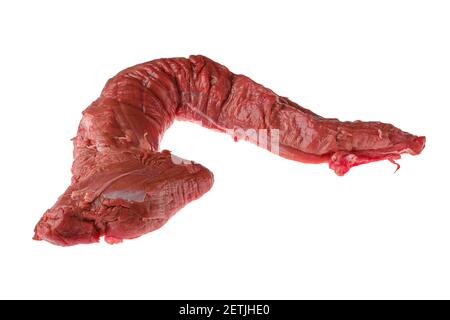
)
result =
(123, 187)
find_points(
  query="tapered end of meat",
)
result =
(398, 143)
(123, 200)
(417, 145)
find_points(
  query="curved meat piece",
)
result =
(123, 187)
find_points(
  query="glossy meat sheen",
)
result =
(123, 187)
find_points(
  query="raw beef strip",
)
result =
(123, 186)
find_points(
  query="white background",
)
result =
(269, 228)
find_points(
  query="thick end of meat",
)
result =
(123, 200)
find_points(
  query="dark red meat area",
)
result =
(123, 186)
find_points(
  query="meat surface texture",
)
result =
(122, 185)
